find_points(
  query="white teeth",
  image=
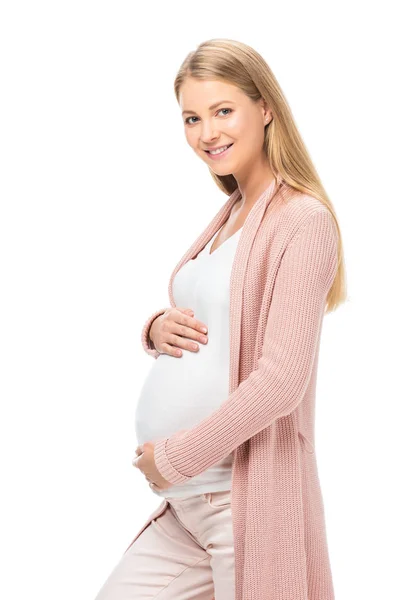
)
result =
(218, 151)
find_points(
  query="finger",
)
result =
(187, 311)
(171, 350)
(188, 339)
(154, 487)
(187, 333)
(192, 323)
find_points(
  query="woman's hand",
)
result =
(145, 462)
(177, 328)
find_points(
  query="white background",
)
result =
(100, 198)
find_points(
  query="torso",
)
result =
(179, 393)
(232, 225)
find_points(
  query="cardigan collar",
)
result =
(245, 242)
(253, 219)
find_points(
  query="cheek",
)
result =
(235, 127)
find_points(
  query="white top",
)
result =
(179, 392)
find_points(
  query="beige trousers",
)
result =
(184, 554)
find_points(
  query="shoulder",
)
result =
(295, 211)
(295, 208)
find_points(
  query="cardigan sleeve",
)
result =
(277, 385)
(146, 341)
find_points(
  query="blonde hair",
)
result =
(240, 65)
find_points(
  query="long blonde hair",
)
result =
(240, 65)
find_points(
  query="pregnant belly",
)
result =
(179, 392)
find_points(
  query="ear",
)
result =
(266, 112)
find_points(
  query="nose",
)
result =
(208, 134)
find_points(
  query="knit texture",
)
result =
(146, 341)
(284, 266)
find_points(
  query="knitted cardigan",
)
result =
(284, 266)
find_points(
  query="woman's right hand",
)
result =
(176, 328)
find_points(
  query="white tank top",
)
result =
(179, 392)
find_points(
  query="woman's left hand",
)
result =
(145, 462)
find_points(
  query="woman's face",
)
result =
(237, 121)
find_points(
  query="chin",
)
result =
(222, 172)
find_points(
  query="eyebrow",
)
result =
(212, 106)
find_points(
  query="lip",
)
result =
(221, 154)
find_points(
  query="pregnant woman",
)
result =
(225, 419)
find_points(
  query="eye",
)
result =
(188, 119)
(230, 110)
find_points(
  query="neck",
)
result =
(251, 187)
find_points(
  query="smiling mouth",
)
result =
(228, 146)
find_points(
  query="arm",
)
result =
(146, 341)
(277, 385)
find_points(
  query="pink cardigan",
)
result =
(284, 266)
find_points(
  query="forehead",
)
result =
(195, 93)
